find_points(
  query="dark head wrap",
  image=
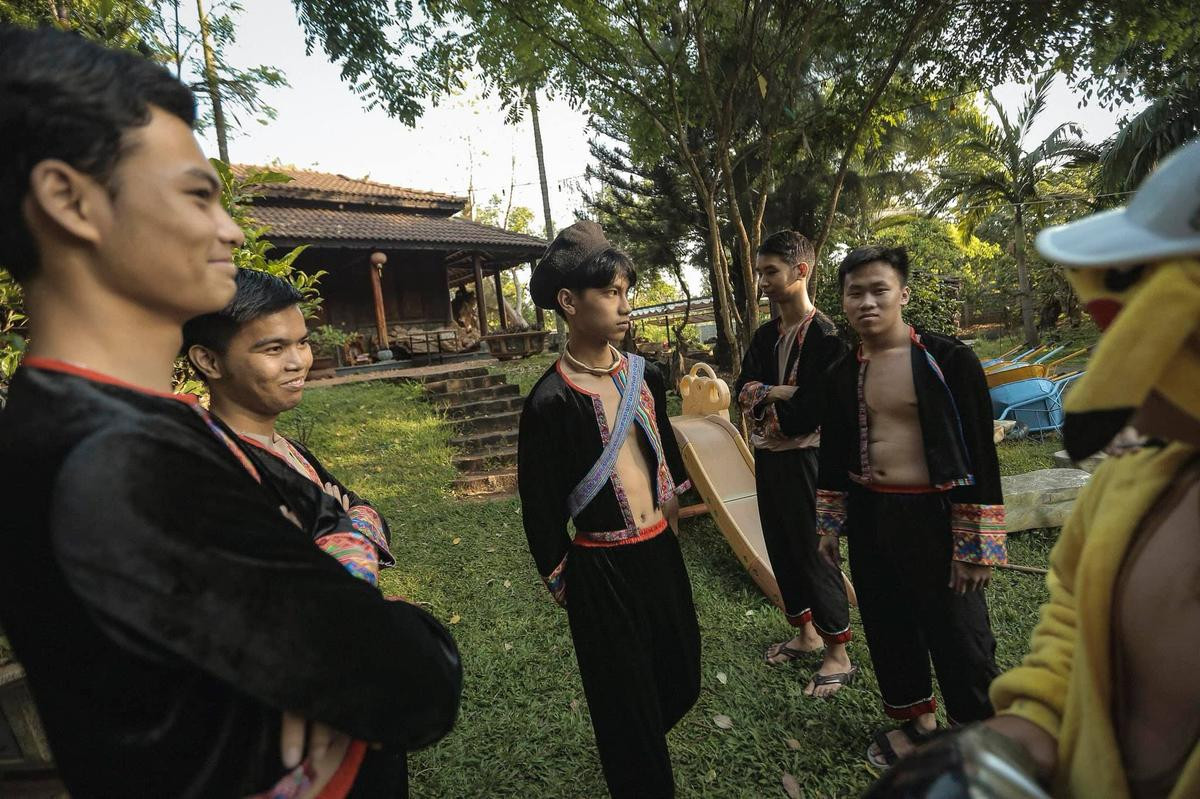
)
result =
(570, 249)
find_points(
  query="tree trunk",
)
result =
(905, 45)
(541, 159)
(214, 89)
(1026, 291)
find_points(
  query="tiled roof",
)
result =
(327, 187)
(290, 226)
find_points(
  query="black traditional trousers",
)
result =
(900, 553)
(812, 590)
(638, 648)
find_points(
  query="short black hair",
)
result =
(896, 257)
(64, 97)
(258, 294)
(789, 245)
(599, 271)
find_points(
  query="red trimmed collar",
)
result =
(76, 370)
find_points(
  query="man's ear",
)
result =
(803, 269)
(67, 198)
(205, 361)
(905, 294)
(566, 301)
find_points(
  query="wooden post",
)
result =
(480, 306)
(378, 259)
(503, 317)
(539, 314)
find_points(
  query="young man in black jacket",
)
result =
(909, 473)
(779, 390)
(145, 544)
(596, 449)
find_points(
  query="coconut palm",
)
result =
(990, 169)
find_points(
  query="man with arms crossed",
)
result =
(779, 389)
(166, 608)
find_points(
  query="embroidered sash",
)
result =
(602, 469)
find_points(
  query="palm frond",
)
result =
(1143, 141)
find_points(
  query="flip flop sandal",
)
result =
(842, 678)
(775, 650)
(909, 729)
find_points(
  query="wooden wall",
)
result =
(415, 289)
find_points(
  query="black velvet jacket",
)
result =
(563, 432)
(955, 410)
(760, 372)
(166, 611)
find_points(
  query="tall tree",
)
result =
(210, 80)
(996, 170)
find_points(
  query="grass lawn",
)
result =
(524, 730)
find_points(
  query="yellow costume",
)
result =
(1066, 683)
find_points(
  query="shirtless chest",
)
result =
(636, 462)
(896, 445)
(1157, 638)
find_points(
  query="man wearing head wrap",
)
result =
(596, 448)
(1108, 700)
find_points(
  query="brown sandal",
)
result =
(782, 649)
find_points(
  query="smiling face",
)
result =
(263, 369)
(163, 239)
(777, 279)
(872, 297)
(600, 313)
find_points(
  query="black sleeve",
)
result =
(802, 413)
(662, 419)
(543, 487)
(754, 369)
(838, 447)
(968, 386)
(364, 516)
(182, 556)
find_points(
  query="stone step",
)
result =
(498, 484)
(476, 395)
(475, 443)
(487, 460)
(1088, 464)
(457, 384)
(493, 421)
(1041, 498)
(441, 376)
(472, 409)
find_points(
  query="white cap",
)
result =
(1161, 221)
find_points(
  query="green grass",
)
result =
(523, 730)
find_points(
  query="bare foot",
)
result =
(835, 661)
(787, 651)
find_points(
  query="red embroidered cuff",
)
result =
(831, 512)
(979, 534)
(751, 395)
(367, 522)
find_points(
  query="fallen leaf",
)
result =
(711, 775)
(491, 549)
(791, 786)
(507, 646)
(792, 743)
(723, 722)
(508, 583)
(574, 704)
(456, 541)
(455, 619)
(722, 678)
(749, 613)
